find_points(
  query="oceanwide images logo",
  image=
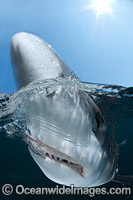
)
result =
(8, 189)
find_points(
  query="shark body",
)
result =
(68, 126)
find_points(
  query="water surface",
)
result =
(18, 167)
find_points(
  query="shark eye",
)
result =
(96, 123)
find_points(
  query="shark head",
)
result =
(67, 129)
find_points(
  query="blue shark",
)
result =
(66, 123)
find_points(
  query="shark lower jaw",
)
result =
(49, 153)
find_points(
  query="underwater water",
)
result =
(16, 164)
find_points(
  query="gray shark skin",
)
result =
(67, 125)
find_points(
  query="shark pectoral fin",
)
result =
(122, 143)
(124, 180)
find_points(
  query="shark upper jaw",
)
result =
(47, 152)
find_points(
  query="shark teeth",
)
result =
(46, 151)
(77, 167)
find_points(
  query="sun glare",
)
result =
(102, 6)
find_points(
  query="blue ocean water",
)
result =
(17, 166)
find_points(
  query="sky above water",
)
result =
(95, 40)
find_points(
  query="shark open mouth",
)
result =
(45, 151)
